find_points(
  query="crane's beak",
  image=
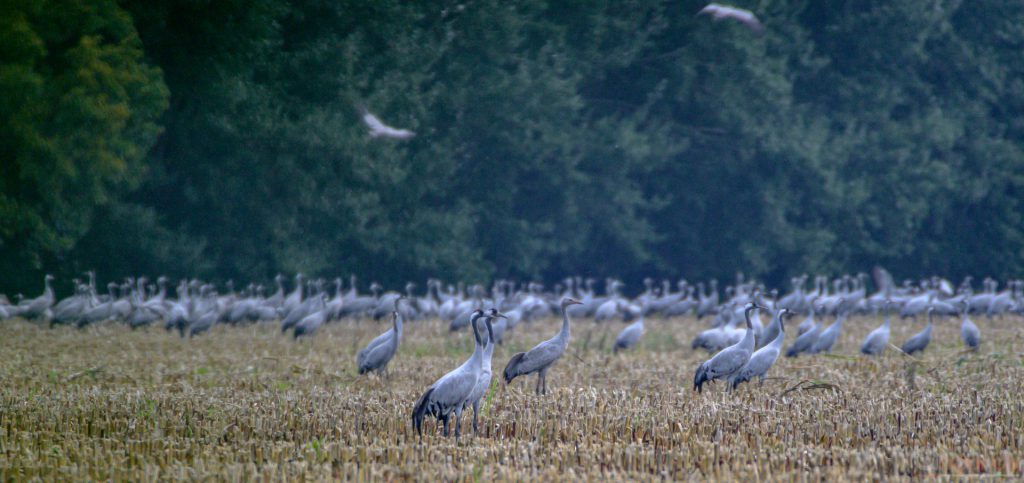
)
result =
(501, 315)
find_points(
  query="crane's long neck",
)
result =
(563, 335)
(398, 330)
(479, 344)
(780, 338)
(748, 338)
(478, 355)
(489, 347)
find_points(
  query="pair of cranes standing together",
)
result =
(466, 385)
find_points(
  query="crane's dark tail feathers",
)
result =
(362, 369)
(420, 411)
(511, 370)
(700, 378)
(791, 352)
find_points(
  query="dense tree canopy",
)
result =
(223, 139)
(79, 108)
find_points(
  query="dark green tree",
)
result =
(79, 106)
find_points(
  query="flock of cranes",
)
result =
(743, 347)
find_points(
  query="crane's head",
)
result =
(570, 301)
(493, 312)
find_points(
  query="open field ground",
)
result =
(244, 402)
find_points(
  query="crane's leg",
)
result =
(458, 422)
(544, 381)
(445, 420)
(476, 409)
(540, 376)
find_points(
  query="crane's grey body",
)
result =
(448, 395)
(729, 360)
(877, 340)
(718, 338)
(969, 333)
(539, 359)
(312, 322)
(301, 311)
(828, 337)
(380, 351)
(919, 341)
(764, 358)
(807, 324)
(629, 336)
(805, 341)
(39, 307)
(203, 323)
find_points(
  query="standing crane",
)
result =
(764, 358)
(449, 394)
(804, 342)
(39, 307)
(828, 337)
(483, 382)
(728, 360)
(376, 355)
(629, 336)
(919, 341)
(969, 332)
(877, 340)
(539, 359)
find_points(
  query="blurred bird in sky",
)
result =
(720, 12)
(379, 129)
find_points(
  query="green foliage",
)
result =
(79, 109)
(592, 137)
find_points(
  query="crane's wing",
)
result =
(541, 355)
(728, 361)
(380, 339)
(630, 335)
(373, 122)
(751, 21)
(376, 357)
(761, 361)
(454, 388)
(711, 8)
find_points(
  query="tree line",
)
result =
(222, 139)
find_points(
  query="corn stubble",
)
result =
(244, 402)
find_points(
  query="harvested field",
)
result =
(245, 402)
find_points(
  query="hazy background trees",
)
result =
(222, 139)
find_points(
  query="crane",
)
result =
(765, 357)
(728, 360)
(539, 359)
(448, 394)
